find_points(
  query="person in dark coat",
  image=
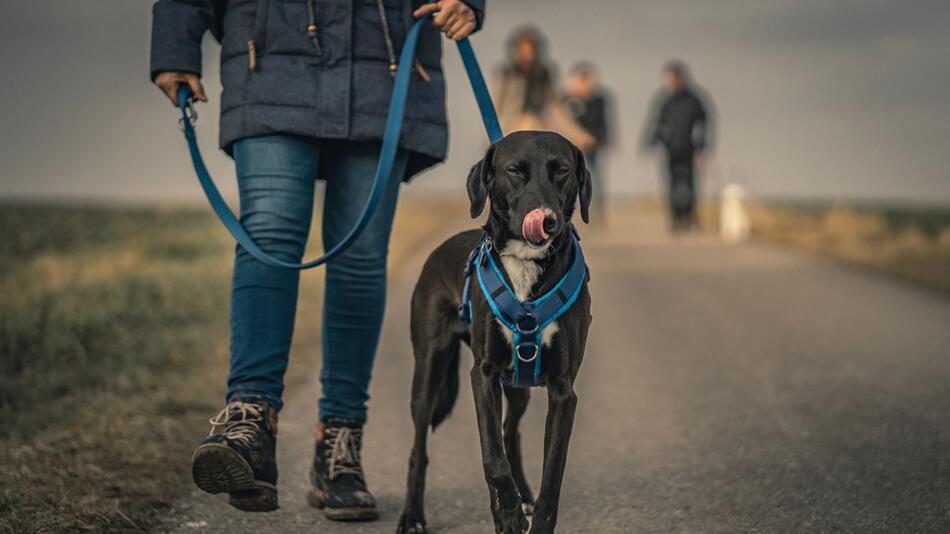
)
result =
(681, 125)
(307, 85)
(589, 105)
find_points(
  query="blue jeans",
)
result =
(276, 179)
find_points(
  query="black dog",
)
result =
(533, 180)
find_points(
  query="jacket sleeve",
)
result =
(478, 6)
(654, 127)
(703, 125)
(600, 126)
(177, 29)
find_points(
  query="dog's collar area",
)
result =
(526, 320)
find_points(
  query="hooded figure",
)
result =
(680, 123)
(525, 95)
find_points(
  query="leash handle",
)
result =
(387, 155)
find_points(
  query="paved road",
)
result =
(725, 389)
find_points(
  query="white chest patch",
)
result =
(517, 259)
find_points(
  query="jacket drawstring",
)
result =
(391, 50)
(312, 26)
(312, 32)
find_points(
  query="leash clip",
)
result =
(190, 113)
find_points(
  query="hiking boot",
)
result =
(336, 477)
(239, 456)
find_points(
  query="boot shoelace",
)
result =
(241, 420)
(343, 451)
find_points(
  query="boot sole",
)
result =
(216, 468)
(317, 499)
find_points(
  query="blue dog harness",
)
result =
(525, 320)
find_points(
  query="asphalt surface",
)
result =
(725, 389)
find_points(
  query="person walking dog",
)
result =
(306, 91)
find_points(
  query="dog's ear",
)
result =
(478, 180)
(585, 187)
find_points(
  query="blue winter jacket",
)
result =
(276, 80)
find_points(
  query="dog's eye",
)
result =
(514, 170)
(561, 172)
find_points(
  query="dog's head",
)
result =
(534, 180)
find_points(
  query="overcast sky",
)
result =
(840, 99)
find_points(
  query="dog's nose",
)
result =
(550, 223)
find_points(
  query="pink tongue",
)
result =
(533, 226)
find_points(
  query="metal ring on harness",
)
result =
(534, 352)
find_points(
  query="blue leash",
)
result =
(387, 155)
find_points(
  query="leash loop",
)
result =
(387, 154)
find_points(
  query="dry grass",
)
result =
(113, 353)
(914, 244)
(109, 316)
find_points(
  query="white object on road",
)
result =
(733, 219)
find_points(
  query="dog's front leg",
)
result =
(505, 501)
(562, 403)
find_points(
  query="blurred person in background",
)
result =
(525, 95)
(680, 123)
(589, 105)
(306, 89)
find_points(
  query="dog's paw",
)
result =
(511, 521)
(411, 525)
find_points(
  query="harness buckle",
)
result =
(532, 350)
(527, 325)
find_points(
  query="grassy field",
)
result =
(911, 242)
(110, 319)
(113, 354)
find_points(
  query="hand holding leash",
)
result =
(169, 81)
(186, 92)
(453, 17)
